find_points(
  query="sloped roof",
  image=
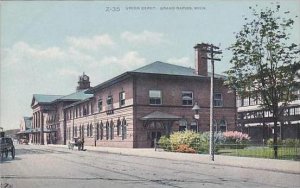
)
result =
(157, 115)
(41, 98)
(159, 67)
(80, 95)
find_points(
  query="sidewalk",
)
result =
(243, 162)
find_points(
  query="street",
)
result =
(44, 166)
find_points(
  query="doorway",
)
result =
(155, 135)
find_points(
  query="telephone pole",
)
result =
(211, 51)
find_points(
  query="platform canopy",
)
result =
(157, 115)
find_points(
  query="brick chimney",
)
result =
(200, 63)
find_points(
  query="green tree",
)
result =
(265, 61)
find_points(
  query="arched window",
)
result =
(97, 131)
(111, 129)
(82, 130)
(223, 125)
(101, 131)
(75, 131)
(118, 127)
(88, 130)
(124, 129)
(91, 130)
(107, 130)
(215, 127)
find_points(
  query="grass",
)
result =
(288, 153)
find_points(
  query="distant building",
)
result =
(134, 108)
(25, 128)
(258, 123)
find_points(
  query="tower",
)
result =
(83, 82)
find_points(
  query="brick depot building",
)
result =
(134, 108)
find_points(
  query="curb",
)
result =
(280, 166)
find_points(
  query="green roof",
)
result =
(80, 95)
(159, 67)
(40, 98)
(166, 68)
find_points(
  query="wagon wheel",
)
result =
(13, 153)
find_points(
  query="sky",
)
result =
(46, 45)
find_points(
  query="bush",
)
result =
(291, 142)
(165, 143)
(270, 142)
(287, 142)
(235, 137)
(183, 148)
(189, 138)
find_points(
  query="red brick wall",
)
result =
(171, 88)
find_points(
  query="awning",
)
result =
(157, 115)
(49, 130)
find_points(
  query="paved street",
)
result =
(45, 166)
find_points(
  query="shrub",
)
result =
(165, 143)
(287, 142)
(183, 148)
(291, 142)
(270, 142)
(203, 147)
(189, 138)
(235, 137)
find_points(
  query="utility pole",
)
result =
(211, 50)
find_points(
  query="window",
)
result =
(118, 127)
(124, 129)
(75, 131)
(122, 98)
(223, 125)
(109, 100)
(111, 130)
(87, 130)
(84, 111)
(101, 131)
(107, 130)
(218, 100)
(187, 98)
(239, 101)
(155, 97)
(91, 130)
(246, 101)
(97, 131)
(100, 105)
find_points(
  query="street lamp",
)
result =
(196, 109)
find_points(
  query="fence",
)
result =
(285, 152)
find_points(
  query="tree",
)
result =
(264, 62)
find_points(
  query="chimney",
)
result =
(200, 62)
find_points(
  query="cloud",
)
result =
(68, 72)
(22, 51)
(183, 61)
(129, 61)
(145, 38)
(90, 43)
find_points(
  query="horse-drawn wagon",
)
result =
(76, 141)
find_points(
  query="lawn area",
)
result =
(288, 153)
